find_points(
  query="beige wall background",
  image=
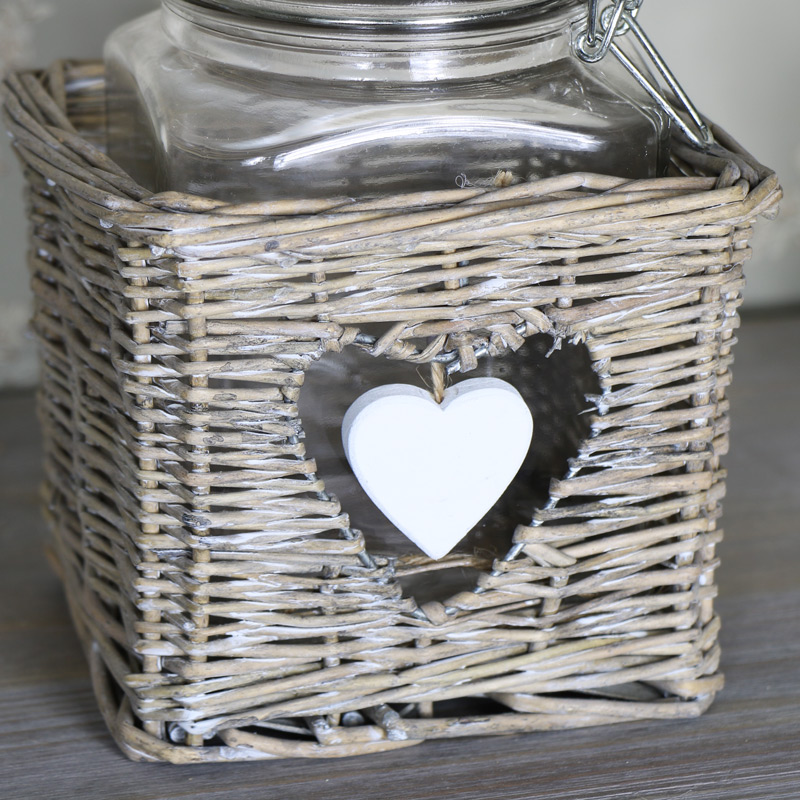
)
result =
(68, 29)
(738, 60)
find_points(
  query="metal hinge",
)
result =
(599, 39)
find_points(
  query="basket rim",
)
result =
(35, 101)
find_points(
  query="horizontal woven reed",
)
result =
(228, 609)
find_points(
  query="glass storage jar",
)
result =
(253, 100)
(264, 99)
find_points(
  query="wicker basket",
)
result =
(228, 609)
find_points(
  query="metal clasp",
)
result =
(589, 46)
(598, 40)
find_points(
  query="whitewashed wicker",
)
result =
(227, 608)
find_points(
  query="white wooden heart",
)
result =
(435, 469)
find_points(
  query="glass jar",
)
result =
(265, 99)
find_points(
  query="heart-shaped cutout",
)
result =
(435, 469)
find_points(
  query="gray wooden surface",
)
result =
(53, 744)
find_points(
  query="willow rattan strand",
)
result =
(227, 608)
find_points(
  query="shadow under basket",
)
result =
(229, 606)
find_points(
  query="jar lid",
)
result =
(421, 13)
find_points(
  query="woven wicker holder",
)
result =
(228, 609)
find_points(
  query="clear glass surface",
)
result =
(243, 108)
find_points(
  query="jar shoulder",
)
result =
(133, 46)
(237, 108)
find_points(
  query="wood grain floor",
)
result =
(53, 744)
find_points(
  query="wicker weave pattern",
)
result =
(228, 609)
